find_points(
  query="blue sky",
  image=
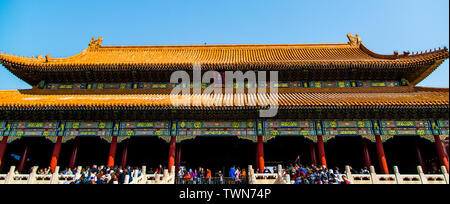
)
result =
(63, 28)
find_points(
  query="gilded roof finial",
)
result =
(354, 40)
(96, 43)
(47, 58)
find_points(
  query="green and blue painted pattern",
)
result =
(153, 85)
(242, 129)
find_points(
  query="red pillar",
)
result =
(321, 147)
(446, 148)
(23, 158)
(260, 154)
(3, 145)
(381, 156)
(172, 149)
(112, 151)
(419, 154)
(73, 157)
(55, 155)
(124, 161)
(313, 153)
(367, 160)
(440, 151)
(178, 157)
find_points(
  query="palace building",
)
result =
(338, 104)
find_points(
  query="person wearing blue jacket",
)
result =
(232, 172)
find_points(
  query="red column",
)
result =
(419, 154)
(381, 155)
(73, 157)
(123, 164)
(321, 147)
(446, 148)
(112, 151)
(23, 158)
(178, 157)
(172, 149)
(3, 145)
(313, 153)
(260, 154)
(367, 160)
(55, 155)
(440, 151)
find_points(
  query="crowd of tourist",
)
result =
(299, 174)
(103, 175)
(117, 175)
(316, 175)
(205, 176)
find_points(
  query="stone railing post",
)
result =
(445, 173)
(423, 179)
(398, 177)
(55, 176)
(165, 176)
(78, 174)
(250, 170)
(171, 179)
(287, 179)
(348, 173)
(32, 177)
(280, 169)
(157, 178)
(373, 175)
(251, 175)
(280, 172)
(135, 175)
(172, 171)
(10, 176)
(279, 178)
(144, 175)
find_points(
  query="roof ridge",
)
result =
(228, 45)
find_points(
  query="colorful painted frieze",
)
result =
(144, 132)
(24, 125)
(33, 133)
(289, 124)
(407, 131)
(219, 124)
(442, 123)
(88, 132)
(443, 132)
(145, 125)
(405, 123)
(378, 83)
(88, 125)
(291, 132)
(66, 86)
(216, 132)
(281, 84)
(146, 85)
(347, 124)
(2, 128)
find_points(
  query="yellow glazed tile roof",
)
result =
(418, 97)
(170, 57)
